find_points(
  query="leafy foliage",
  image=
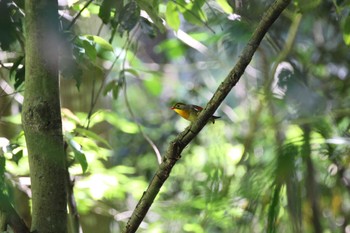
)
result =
(277, 161)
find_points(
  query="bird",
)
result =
(190, 111)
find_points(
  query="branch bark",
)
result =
(184, 138)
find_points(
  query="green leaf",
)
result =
(130, 16)
(119, 122)
(109, 86)
(152, 13)
(90, 50)
(19, 77)
(192, 12)
(104, 45)
(225, 6)
(15, 65)
(95, 45)
(14, 119)
(346, 31)
(94, 8)
(17, 156)
(92, 135)
(78, 153)
(105, 10)
(173, 48)
(115, 91)
(132, 71)
(81, 158)
(148, 28)
(70, 68)
(2, 169)
(172, 16)
(153, 85)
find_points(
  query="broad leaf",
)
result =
(129, 16)
(92, 135)
(172, 15)
(152, 13)
(78, 153)
(105, 10)
(103, 49)
(225, 6)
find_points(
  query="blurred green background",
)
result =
(277, 160)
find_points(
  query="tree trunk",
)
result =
(41, 118)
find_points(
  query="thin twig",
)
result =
(100, 29)
(72, 205)
(148, 139)
(95, 98)
(79, 13)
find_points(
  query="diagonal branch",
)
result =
(184, 138)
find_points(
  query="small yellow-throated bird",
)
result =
(190, 112)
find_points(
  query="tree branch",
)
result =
(184, 138)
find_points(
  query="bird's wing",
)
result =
(197, 108)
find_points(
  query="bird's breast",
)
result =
(184, 114)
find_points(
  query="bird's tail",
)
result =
(213, 118)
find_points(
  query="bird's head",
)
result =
(180, 106)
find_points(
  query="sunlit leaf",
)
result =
(172, 15)
(294, 134)
(90, 50)
(102, 47)
(105, 45)
(173, 48)
(192, 227)
(94, 8)
(192, 12)
(90, 145)
(92, 135)
(14, 119)
(79, 6)
(346, 31)
(119, 122)
(153, 85)
(225, 6)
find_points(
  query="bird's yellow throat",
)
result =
(185, 114)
